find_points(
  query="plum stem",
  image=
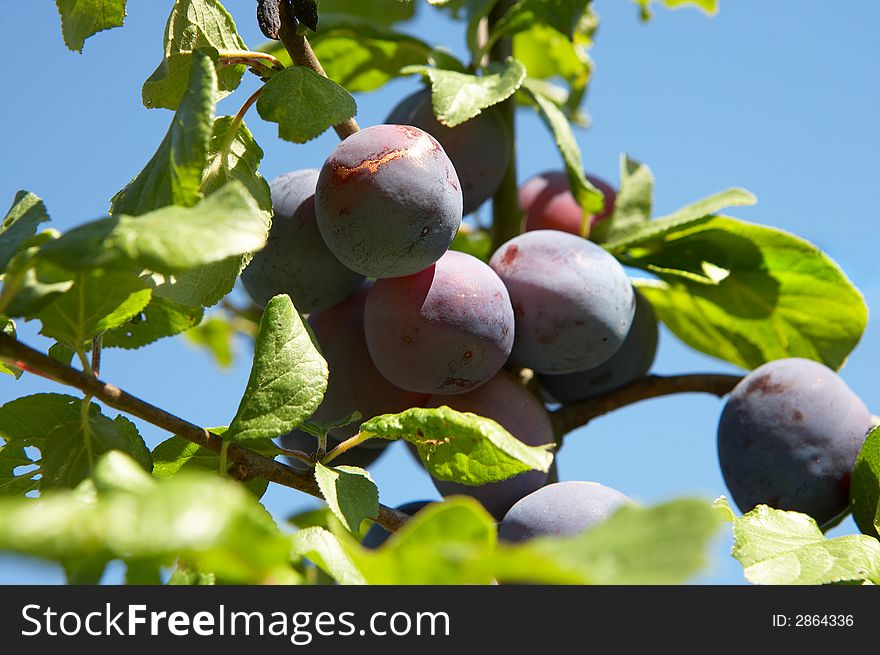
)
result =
(301, 53)
(506, 212)
(570, 417)
(346, 445)
(249, 464)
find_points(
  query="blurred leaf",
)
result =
(749, 294)
(160, 318)
(587, 196)
(632, 209)
(350, 493)
(117, 471)
(708, 6)
(324, 549)
(193, 24)
(865, 487)
(304, 104)
(185, 576)
(98, 301)
(174, 174)
(562, 15)
(386, 12)
(779, 547)
(473, 242)
(548, 54)
(19, 225)
(288, 377)
(216, 335)
(460, 446)
(477, 10)
(81, 19)
(457, 97)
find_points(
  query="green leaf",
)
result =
(457, 97)
(460, 446)
(206, 285)
(185, 576)
(7, 327)
(476, 242)
(708, 6)
(179, 454)
(81, 19)
(632, 209)
(119, 472)
(169, 240)
(61, 353)
(20, 225)
(160, 318)
(562, 15)
(865, 486)
(664, 544)
(193, 25)
(288, 377)
(174, 174)
(689, 216)
(216, 335)
(210, 523)
(304, 104)
(386, 12)
(70, 450)
(328, 554)
(98, 301)
(30, 419)
(587, 196)
(350, 493)
(13, 456)
(779, 547)
(30, 283)
(749, 294)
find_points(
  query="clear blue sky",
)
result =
(779, 97)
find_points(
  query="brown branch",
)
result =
(297, 45)
(570, 417)
(247, 463)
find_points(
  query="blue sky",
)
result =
(781, 98)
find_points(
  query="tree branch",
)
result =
(570, 417)
(297, 45)
(247, 463)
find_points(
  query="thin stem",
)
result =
(224, 454)
(87, 428)
(297, 45)
(506, 212)
(298, 455)
(249, 57)
(249, 464)
(97, 343)
(346, 445)
(570, 417)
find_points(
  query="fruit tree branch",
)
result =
(297, 45)
(246, 463)
(570, 417)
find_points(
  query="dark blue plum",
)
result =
(295, 260)
(377, 535)
(789, 436)
(478, 148)
(516, 409)
(573, 302)
(631, 362)
(563, 509)
(388, 201)
(447, 329)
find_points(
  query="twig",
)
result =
(249, 464)
(297, 45)
(570, 417)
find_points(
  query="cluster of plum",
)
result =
(362, 246)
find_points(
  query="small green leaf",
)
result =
(13, 456)
(7, 327)
(865, 487)
(193, 25)
(325, 550)
(473, 242)
(710, 7)
(460, 446)
(457, 97)
(288, 378)
(632, 209)
(61, 353)
(160, 318)
(216, 335)
(587, 196)
(20, 225)
(81, 19)
(779, 547)
(174, 174)
(304, 104)
(350, 492)
(749, 294)
(98, 301)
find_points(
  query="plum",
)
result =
(388, 201)
(573, 301)
(631, 362)
(295, 260)
(479, 148)
(447, 329)
(549, 204)
(563, 509)
(511, 405)
(789, 436)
